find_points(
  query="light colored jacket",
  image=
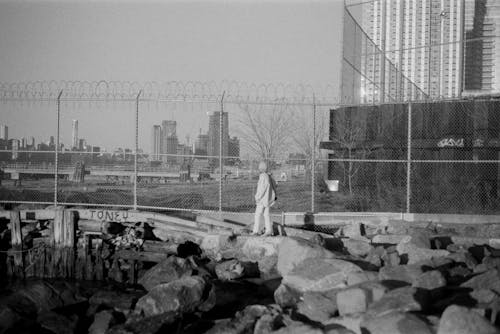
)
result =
(266, 190)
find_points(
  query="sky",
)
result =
(296, 42)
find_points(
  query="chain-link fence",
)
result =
(195, 149)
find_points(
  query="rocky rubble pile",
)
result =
(388, 279)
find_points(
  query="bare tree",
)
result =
(349, 136)
(266, 129)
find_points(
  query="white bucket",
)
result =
(333, 185)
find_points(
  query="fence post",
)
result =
(408, 162)
(313, 157)
(221, 137)
(136, 146)
(56, 167)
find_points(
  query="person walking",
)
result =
(265, 197)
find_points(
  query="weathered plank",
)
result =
(141, 256)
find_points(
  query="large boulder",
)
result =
(357, 247)
(488, 280)
(356, 299)
(234, 269)
(405, 273)
(56, 323)
(395, 323)
(7, 318)
(166, 271)
(294, 252)
(318, 306)
(286, 297)
(122, 301)
(403, 299)
(430, 280)
(462, 320)
(102, 322)
(417, 248)
(182, 295)
(319, 274)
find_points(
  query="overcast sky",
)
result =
(252, 41)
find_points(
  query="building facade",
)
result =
(214, 135)
(4, 132)
(74, 135)
(156, 143)
(422, 39)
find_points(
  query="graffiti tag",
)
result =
(109, 215)
(451, 142)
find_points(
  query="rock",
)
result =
(356, 277)
(430, 280)
(7, 318)
(318, 306)
(405, 273)
(488, 280)
(244, 321)
(317, 274)
(141, 325)
(182, 295)
(491, 262)
(166, 271)
(122, 301)
(417, 252)
(351, 322)
(463, 257)
(391, 259)
(56, 323)
(354, 230)
(286, 297)
(233, 269)
(102, 322)
(337, 329)
(299, 329)
(462, 320)
(357, 247)
(395, 323)
(263, 251)
(356, 299)
(392, 239)
(401, 299)
(483, 296)
(294, 251)
(352, 300)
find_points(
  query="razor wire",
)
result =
(211, 91)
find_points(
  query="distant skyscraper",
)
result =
(81, 144)
(15, 149)
(156, 143)
(74, 141)
(169, 128)
(214, 135)
(171, 149)
(23, 143)
(201, 144)
(4, 132)
(52, 143)
(401, 29)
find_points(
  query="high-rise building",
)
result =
(51, 142)
(169, 128)
(156, 143)
(201, 144)
(15, 149)
(171, 149)
(31, 142)
(404, 30)
(4, 132)
(214, 135)
(74, 136)
(482, 55)
(81, 144)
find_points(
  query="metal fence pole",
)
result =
(313, 157)
(408, 162)
(136, 146)
(221, 137)
(56, 167)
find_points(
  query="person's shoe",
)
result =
(268, 234)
